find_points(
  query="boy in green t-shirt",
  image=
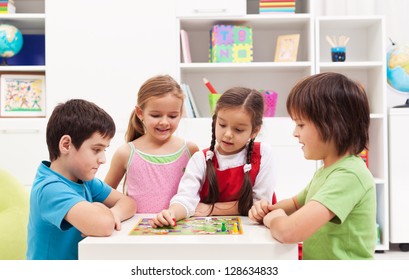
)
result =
(335, 215)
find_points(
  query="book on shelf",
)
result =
(7, 7)
(191, 110)
(184, 39)
(188, 109)
(277, 6)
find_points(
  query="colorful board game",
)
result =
(192, 226)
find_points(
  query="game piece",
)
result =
(208, 220)
(174, 222)
(235, 229)
(224, 227)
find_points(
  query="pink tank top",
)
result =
(152, 180)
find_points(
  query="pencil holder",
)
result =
(338, 54)
(213, 98)
(270, 102)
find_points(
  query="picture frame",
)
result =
(287, 48)
(22, 95)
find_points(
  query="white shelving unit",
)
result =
(24, 134)
(365, 62)
(293, 171)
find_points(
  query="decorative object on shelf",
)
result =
(213, 98)
(338, 47)
(231, 43)
(287, 48)
(190, 104)
(270, 102)
(364, 156)
(184, 39)
(277, 6)
(11, 41)
(398, 68)
(22, 96)
(7, 7)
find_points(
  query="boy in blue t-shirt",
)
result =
(67, 202)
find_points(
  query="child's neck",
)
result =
(330, 160)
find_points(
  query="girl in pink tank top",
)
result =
(152, 160)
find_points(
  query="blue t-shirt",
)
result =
(50, 236)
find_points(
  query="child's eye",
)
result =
(239, 130)
(222, 125)
(155, 116)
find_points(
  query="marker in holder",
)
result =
(213, 98)
(338, 54)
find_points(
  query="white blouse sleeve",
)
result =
(265, 183)
(191, 183)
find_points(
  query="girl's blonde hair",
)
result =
(157, 86)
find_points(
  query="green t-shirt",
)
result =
(14, 208)
(347, 188)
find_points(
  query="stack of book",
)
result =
(190, 110)
(7, 7)
(277, 6)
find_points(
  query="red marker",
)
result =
(209, 86)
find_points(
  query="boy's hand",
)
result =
(272, 215)
(259, 210)
(117, 218)
(163, 219)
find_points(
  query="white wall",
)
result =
(396, 23)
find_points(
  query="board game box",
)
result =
(219, 225)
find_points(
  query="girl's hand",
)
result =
(259, 210)
(272, 215)
(163, 219)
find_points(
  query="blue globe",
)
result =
(11, 40)
(398, 69)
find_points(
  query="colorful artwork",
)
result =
(192, 226)
(231, 43)
(22, 96)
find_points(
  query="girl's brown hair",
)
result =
(252, 101)
(337, 106)
(157, 86)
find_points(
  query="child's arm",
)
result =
(262, 207)
(168, 217)
(117, 168)
(100, 219)
(299, 225)
(122, 207)
(193, 148)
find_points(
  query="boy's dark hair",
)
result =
(253, 102)
(79, 119)
(337, 106)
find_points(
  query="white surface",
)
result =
(399, 179)
(255, 243)
(210, 7)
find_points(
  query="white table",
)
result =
(255, 243)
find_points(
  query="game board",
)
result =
(192, 226)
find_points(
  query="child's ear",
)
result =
(139, 112)
(255, 132)
(65, 144)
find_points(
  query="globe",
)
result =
(398, 68)
(11, 41)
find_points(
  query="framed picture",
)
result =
(22, 95)
(287, 48)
